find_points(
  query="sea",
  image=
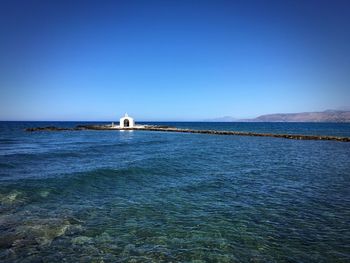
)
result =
(147, 196)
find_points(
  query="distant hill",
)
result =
(323, 116)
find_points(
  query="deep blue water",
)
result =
(138, 196)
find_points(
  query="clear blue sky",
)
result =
(172, 60)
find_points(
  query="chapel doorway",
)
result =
(126, 123)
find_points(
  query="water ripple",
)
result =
(150, 197)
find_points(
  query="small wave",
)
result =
(110, 146)
(107, 173)
(44, 155)
(8, 141)
(7, 165)
(66, 182)
(99, 147)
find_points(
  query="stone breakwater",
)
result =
(213, 132)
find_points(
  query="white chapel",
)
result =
(126, 122)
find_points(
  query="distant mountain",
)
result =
(324, 116)
(344, 108)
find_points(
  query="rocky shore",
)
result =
(213, 132)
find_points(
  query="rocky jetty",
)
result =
(48, 128)
(77, 128)
(285, 136)
(213, 132)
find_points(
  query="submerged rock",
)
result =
(7, 239)
(43, 232)
(81, 240)
(104, 238)
(44, 193)
(12, 197)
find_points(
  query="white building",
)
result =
(126, 122)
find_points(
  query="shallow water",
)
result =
(158, 197)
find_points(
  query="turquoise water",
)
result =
(110, 196)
